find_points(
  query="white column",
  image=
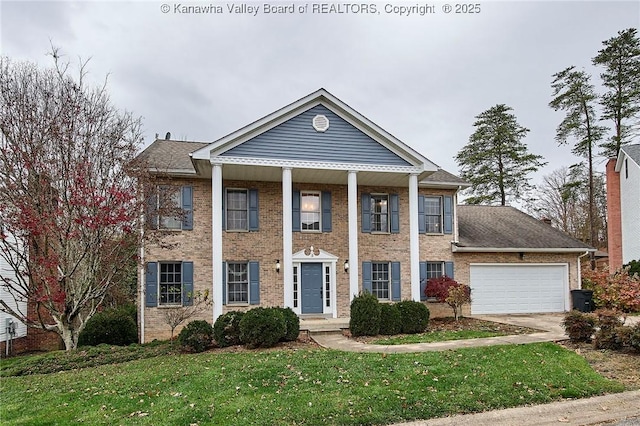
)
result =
(287, 238)
(414, 237)
(216, 238)
(354, 261)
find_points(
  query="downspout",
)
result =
(580, 270)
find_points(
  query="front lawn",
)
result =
(301, 386)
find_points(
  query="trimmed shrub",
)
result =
(111, 326)
(390, 320)
(608, 319)
(365, 315)
(226, 329)
(414, 316)
(196, 336)
(292, 324)
(612, 338)
(579, 326)
(262, 327)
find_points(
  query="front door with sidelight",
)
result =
(311, 284)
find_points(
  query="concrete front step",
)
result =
(324, 325)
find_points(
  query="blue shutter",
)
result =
(395, 281)
(423, 280)
(254, 283)
(395, 213)
(224, 283)
(366, 213)
(326, 211)
(448, 214)
(295, 211)
(422, 223)
(152, 210)
(253, 210)
(366, 277)
(224, 216)
(151, 284)
(187, 207)
(448, 269)
(187, 283)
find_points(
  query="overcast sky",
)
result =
(421, 78)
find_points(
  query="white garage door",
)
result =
(510, 289)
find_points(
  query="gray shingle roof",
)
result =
(443, 177)
(167, 155)
(507, 227)
(633, 151)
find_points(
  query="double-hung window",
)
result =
(237, 209)
(434, 270)
(379, 213)
(171, 283)
(433, 214)
(310, 212)
(380, 280)
(237, 283)
(170, 207)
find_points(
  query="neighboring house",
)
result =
(18, 330)
(623, 206)
(313, 204)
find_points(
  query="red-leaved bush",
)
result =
(449, 291)
(620, 291)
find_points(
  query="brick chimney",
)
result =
(614, 219)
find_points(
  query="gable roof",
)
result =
(336, 106)
(170, 156)
(444, 179)
(507, 229)
(630, 151)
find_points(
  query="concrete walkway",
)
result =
(548, 324)
(622, 409)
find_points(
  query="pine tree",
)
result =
(496, 161)
(621, 77)
(574, 94)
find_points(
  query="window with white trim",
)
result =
(433, 214)
(379, 213)
(380, 280)
(237, 283)
(170, 283)
(237, 206)
(435, 269)
(310, 212)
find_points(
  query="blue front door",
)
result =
(311, 288)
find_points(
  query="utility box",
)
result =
(582, 300)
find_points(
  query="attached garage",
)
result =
(519, 288)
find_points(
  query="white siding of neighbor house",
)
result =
(21, 329)
(630, 210)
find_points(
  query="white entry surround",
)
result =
(519, 288)
(328, 260)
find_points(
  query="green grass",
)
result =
(437, 336)
(300, 387)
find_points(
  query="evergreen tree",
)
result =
(496, 161)
(621, 77)
(574, 94)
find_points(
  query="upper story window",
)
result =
(170, 207)
(237, 209)
(433, 214)
(310, 212)
(379, 213)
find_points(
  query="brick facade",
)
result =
(614, 216)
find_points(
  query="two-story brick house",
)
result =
(305, 208)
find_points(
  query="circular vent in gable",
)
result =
(320, 123)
